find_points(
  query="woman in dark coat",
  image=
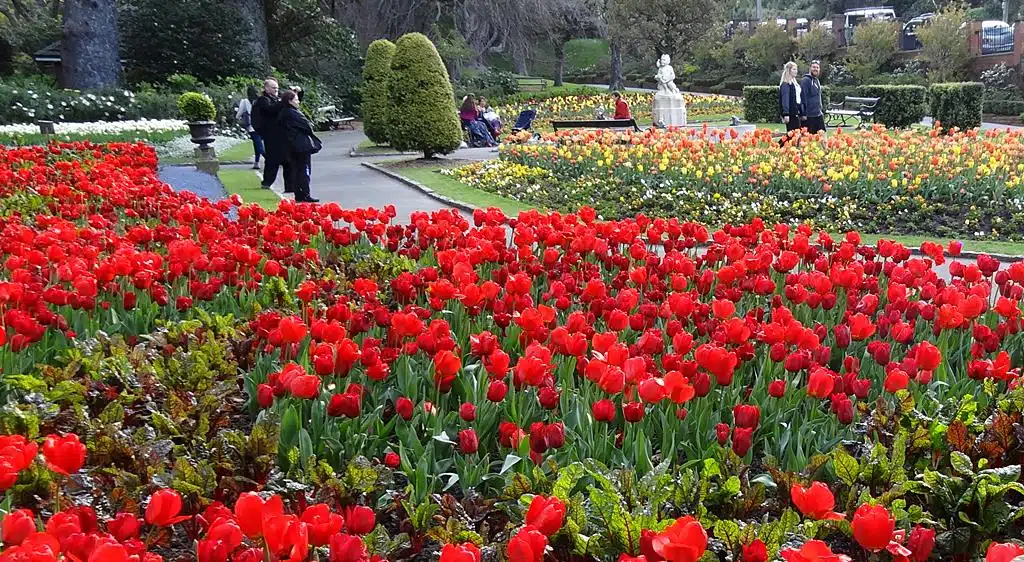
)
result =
(791, 106)
(302, 144)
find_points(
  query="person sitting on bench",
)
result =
(621, 107)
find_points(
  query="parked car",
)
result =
(909, 40)
(996, 37)
(855, 17)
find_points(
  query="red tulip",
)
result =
(812, 551)
(746, 415)
(124, 526)
(896, 380)
(546, 514)
(251, 510)
(777, 388)
(305, 386)
(468, 441)
(921, 543)
(816, 501)
(756, 551)
(465, 552)
(528, 545)
(108, 552)
(359, 519)
(446, 366)
(64, 454)
(467, 411)
(392, 460)
(820, 383)
(265, 395)
(742, 439)
(164, 507)
(286, 537)
(226, 531)
(548, 398)
(928, 356)
(322, 523)
(17, 525)
(604, 410)
(684, 541)
(208, 550)
(347, 548)
(17, 451)
(633, 412)
(496, 391)
(873, 527)
(1003, 552)
(404, 408)
(722, 433)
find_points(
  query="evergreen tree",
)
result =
(376, 74)
(422, 114)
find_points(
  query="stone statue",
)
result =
(669, 109)
(666, 76)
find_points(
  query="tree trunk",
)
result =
(559, 62)
(89, 48)
(615, 80)
(254, 20)
(519, 61)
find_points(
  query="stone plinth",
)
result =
(669, 109)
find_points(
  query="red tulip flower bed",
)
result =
(185, 380)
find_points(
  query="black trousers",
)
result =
(815, 124)
(275, 157)
(300, 168)
(794, 125)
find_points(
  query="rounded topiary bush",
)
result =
(376, 74)
(195, 107)
(421, 112)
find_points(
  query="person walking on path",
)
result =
(790, 100)
(300, 143)
(810, 92)
(265, 112)
(244, 118)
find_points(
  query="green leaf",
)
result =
(290, 426)
(566, 481)
(732, 486)
(961, 463)
(845, 465)
(728, 531)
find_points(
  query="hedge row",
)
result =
(1004, 107)
(957, 104)
(898, 106)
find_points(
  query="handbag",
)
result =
(315, 143)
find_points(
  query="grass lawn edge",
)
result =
(246, 184)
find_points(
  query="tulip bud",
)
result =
(496, 391)
(265, 395)
(777, 388)
(548, 398)
(392, 460)
(467, 411)
(468, 441)
(722, 433)
(633, 412)
(404, 408)
(604, 410)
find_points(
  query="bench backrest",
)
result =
(867, 103)
(532, 84)
(596, 124)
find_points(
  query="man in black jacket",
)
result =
(810, 92)
(265, 111)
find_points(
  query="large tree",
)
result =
(570, 19)
(651, 28)
(89, 47)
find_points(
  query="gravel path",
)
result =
(187, 178)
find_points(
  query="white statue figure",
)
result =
(669, 108)
(666, 76)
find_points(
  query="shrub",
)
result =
(376, 73)
(423, 115)
(944, 45)
(1003, 107)
(761, 104)
(195, 107)
(767, 49)
(817, 44)
(898, 106)
(874, 46)
(492, 84)
(957, 104)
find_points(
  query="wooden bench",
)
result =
(532, 84)
(863, 109)
(597, 124)
(329, 114)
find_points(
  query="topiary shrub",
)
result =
(422, 114)
(898, 106)
(195, 107)
(761, 104)
(957, 104)
(376, 74)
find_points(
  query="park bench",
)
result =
(840, 113)
(330, 116)
(531, 84)
(597, 124)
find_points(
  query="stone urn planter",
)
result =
(199, 113)
(202, 133)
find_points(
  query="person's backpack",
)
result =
(245, 118)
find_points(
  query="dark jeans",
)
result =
(257, 146)
(300, 168)
(815, 124)
(276, 157)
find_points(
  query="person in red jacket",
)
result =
(621, 107)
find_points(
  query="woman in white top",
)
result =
(790, 101)
(244, 117)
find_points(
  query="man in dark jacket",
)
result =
(810, 92)
(265, 111)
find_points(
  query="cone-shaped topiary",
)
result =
(422, 112)
(376, 73)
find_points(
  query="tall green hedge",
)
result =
(957, 104)
(898, 106)
(761, 104)
(422, 113)
(376, 74)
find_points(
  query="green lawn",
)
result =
(247, 184)
(241, 152)
(369, 147)
(450, 187)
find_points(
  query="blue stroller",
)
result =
(525, 120)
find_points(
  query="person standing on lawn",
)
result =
(790, 99)
(810, 92)
(265, 112)
(244, 118)
(300, 144)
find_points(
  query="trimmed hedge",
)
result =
(957, 104)
(423, 112)
(761, 104)
(1004, 107)
(376, 104)
(898, 106)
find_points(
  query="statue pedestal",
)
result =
(669, 109)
